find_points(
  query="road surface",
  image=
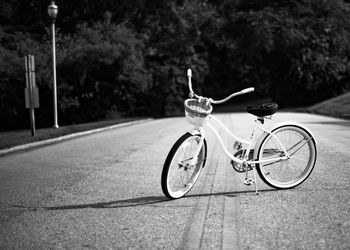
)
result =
(103, 191)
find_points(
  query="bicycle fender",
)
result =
(281, 124)
(275, 126)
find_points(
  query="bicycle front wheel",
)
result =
(301, 147)
(178, 176)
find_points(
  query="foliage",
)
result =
(172, 47)
(295, 51)
(102, 68)
(12, 74)
(130, 57)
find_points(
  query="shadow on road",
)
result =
(141, 201)
(114, 204)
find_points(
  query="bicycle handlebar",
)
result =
(192, 94)
(247, 90)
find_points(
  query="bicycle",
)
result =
(283, 157)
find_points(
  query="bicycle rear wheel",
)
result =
(301, 147)
(178, 176)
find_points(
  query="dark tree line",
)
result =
(130, 57)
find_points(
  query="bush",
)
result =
(135, 62)
(12, 79)
(101, 69)
(295, 51)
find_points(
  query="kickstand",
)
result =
(249, 181)
(256, 183)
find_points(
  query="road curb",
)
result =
(67, 137)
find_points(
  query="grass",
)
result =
(13, 138)
(337, 107)
(239, 106)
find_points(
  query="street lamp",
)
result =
(52, 11)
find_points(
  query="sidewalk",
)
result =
(14, 141)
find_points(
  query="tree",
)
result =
(133, 59)
(295, 51)
(101, 69)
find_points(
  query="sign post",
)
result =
(31, 92)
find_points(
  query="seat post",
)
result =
(261, 119)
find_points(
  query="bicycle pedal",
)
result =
(248, 182)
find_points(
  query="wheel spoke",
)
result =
(271, 163)
(306, 141)
(287, 171)
(295, 157)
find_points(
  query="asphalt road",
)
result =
(102, 191)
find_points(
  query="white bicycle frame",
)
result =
(250, 144)
(254, 142)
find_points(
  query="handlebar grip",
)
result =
(189, 73)
(247, 90)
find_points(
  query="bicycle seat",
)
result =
(263, 110)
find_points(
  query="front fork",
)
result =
(197, 131)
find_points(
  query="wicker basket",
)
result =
(197, 112)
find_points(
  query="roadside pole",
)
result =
(31, 92)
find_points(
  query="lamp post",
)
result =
(52, 11)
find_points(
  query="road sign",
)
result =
(35, 97)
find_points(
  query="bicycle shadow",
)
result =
(140, 201)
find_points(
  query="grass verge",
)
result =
(13, 138)
(336, 107)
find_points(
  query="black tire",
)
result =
(170, 166)
(291, 172)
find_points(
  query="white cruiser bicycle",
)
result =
(284, 156)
